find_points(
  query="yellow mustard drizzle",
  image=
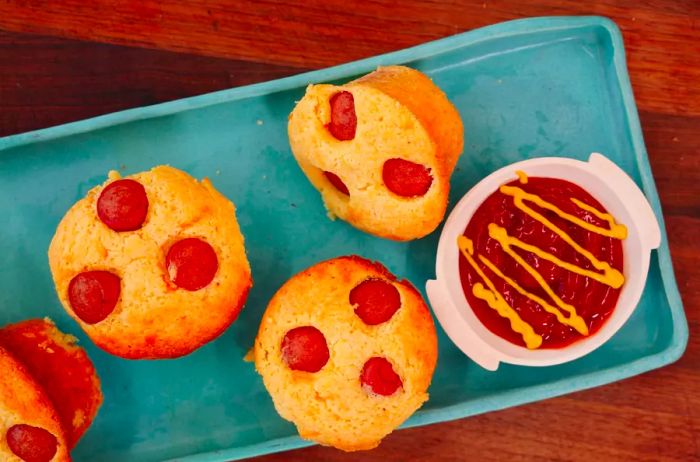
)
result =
(500, 234)
(620, 231)
(574, 320)
(495, 300)
(609, 276)
(507, 242)
(617, 231)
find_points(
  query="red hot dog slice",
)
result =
(305, 349)
(405, 178)
(343, 122)
(191, 263)
(378, 377)
(123, 205)
(375, 301)
(31, 444)
(94, 294)
(337, 182)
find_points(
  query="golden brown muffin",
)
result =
(347, 352)
(30, 429)
(380, 149)
(152, 266)
(61, 367)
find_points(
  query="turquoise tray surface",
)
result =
(527, 88)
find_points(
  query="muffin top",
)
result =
(151, 266)
(347, 352)
(380, 150)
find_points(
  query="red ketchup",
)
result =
(593, 301)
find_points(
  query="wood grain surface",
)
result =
(661, 35)
(47, 81)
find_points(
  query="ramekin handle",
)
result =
(628, 191)
(456, 327)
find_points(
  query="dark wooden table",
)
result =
(47, 78)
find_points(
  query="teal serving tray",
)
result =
(528, 88)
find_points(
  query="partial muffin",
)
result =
(380, 149)
(61, 367)
(30, 429)
(347, 352)
(152, 265)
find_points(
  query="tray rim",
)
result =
(503, 400)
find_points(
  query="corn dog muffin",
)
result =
(151, 266)
(30, 429)
(380, 149)
(347, 352)
(61, 367)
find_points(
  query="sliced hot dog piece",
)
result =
(343, 122)
(305, 349)
(405, 178)
(191, 263)
(123, 205)
(31, 444)
(375, 301)
(378, 377)
(337, 182)
(94, 294)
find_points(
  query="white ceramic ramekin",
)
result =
(614, 190)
